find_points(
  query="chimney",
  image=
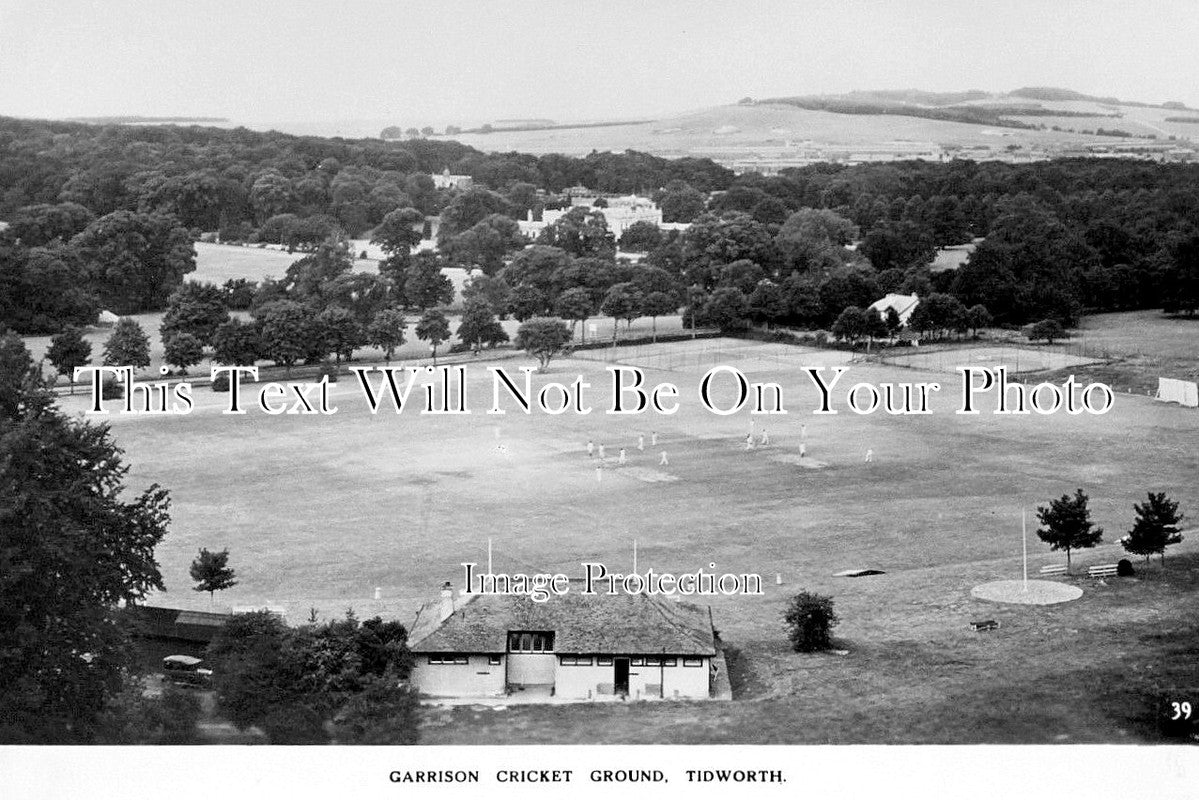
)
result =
(447, 601)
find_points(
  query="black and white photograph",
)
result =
(409, 398)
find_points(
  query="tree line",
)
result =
(100, 217)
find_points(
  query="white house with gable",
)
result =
(904, 305)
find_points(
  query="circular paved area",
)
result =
(1039, 593)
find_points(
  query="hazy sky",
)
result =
(447, 62)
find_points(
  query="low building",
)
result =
(904, 305)
(572, 646)
(159, 632)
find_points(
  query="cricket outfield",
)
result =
(319, 511)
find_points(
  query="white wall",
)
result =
(531, 669)
(690, 682)
(474, 679)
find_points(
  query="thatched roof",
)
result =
(582, 624)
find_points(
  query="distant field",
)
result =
(217, 263)
(1148, 334)
(1141, 346)
(731, 131)
(318, 512)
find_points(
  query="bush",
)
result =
(1124, 568)
(327, 371)
(113, 388)
(221, 383)
(810, 619)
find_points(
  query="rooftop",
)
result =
(600, 623)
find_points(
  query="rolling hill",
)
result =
(1027, 124)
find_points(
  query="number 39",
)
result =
(1181, 711)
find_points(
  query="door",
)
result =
(621, 684)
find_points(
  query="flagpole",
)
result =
(1024, 541)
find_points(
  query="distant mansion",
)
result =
(620, 213)
(447, 181)
(571, 647)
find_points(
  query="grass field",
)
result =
(1137, 348)
(319, 511)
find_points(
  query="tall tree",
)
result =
(577, 306)
(183, 350)
(657, 304)
(433, 328)
(68, 350)
(1067, 524)
(211, 572)
(1155, 527)
(386, 332)
(479, 327)
(580, 232)
(342, 333)
(197, 309)
(400, 231)
(623, 301)
(237, 343)
(127, 345)
(543, 338)
(74, 543)
(135, 261)
(288, 331)
(425, 286)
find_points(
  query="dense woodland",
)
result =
(103, 217)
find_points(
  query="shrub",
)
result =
(221, 383)
(810, 619)
(1124, 568)
(113, 388)
(327, 371)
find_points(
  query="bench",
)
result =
(985, 625)
(1102, 571)
(1054, 569)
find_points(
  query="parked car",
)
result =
(186, 670)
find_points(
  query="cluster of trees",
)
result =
(101, 215)
(281, 187)
(342, 680)
(59, 265)
(1061, 237)
(1066, 525)
(75, 542)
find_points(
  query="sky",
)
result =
(464, 63)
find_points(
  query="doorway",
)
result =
(621, 684)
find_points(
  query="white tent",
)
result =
(1185, 393)
(107, 319)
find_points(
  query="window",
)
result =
(653, 661)
(531, 642)
(576, 661)
(693, 662)
(493, 660)
(603, 661)
(449, 658)
(670, 662)
(637, 662)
